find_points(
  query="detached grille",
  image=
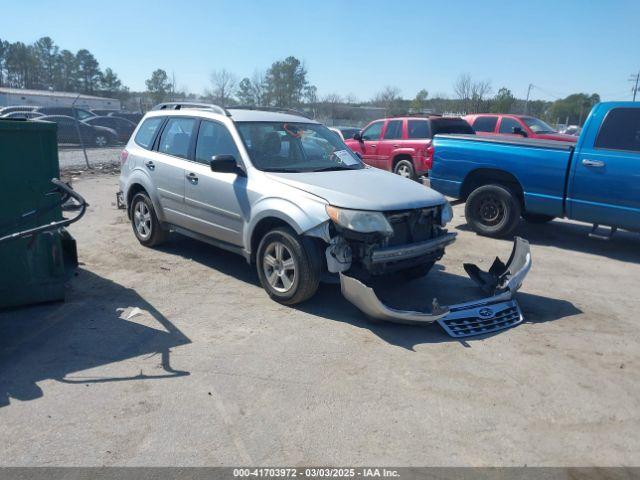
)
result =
(411, 226)
(481, 320)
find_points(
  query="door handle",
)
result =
(593, 163)
(372, 146)
(395, 146)
(192, 177)
(150, 165)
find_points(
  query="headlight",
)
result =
(360, 220)
(446, 214)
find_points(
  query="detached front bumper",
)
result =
(496, 312)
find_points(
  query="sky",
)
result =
(352, 47)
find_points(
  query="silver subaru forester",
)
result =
(286, 193)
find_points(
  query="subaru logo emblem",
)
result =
(486, 312)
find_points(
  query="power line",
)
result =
(635, 78)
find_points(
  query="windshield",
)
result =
(296, 147)
(538, 126)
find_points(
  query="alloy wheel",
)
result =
(279, 267)
(142, 220)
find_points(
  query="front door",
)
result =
(391, 140)
(214, 200)
(605, 187)
(369, 143)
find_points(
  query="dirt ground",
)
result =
(176, 356)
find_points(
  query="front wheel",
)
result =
(493, 211)
(288, 266)
(404, 168)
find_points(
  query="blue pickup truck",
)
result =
(597, 180)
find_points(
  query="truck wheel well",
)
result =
(261, 229)
(486, 176)
(135, 188)
(397, 158)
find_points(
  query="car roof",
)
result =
(235, 114)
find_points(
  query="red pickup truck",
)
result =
(522, 125)
(403, 145)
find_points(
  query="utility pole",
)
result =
(635, 87)
(526, 103)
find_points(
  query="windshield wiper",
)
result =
(281, 170)
(333, 168)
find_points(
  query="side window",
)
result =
(147, 131)
(373, 131)
(485, 124)
(508, 124)
(176, 137)
(394, 130)
(418, 129)
(214, 139)
(620, 130)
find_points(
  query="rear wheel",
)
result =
(537, 217)
(493, 210)
(404, 168)
(288, 266)
(144, 221)
(101, 140)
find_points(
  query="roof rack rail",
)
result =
(183, 105)
(416, 114)
(270, 109)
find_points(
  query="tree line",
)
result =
(43, 65)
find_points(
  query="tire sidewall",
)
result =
(155, 224)
(511, 216)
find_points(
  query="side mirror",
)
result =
(357, 136)
(226, 164)
(519, 131)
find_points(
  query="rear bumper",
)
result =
(497, 311)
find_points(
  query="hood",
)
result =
(561, 137)
(365, 189)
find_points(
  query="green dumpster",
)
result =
(36, 252)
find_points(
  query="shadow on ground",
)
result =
(624, 246)
(417, 295)
(53, 341)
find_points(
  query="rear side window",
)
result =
(485, 124)
(147, 132)
(450, 125)
(214, 139)
(418, 129)
(176, 137)
(394, 130)
(508, 124)
(620, 130)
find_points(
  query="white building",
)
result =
(47, 98)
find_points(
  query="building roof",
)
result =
(51, 93)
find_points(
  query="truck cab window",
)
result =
(620, 130)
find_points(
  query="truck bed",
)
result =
(511, 140)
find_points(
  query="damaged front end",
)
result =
(496, 312)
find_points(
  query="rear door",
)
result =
(166, 166)
(214, 200)
(605, 187)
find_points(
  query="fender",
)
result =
(272, 207)
(139, 176)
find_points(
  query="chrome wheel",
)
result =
(142, 220)
(279, 267)
(404, 171)
(101, 141)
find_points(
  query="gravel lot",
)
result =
(72, 157)
(211, 372)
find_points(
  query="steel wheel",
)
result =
(142, 220)
(491, 209)
(101, 141)
(279, 267)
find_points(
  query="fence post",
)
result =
(75, 117)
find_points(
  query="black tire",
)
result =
(537, 217)
(493, 211)
(306, 256)
(417, 272)
(404, 168)
(157, 234)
